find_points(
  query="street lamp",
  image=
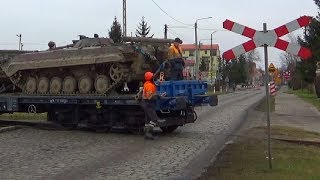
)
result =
(211, 60)
(202, 40)
(196, 43)
(211, 41)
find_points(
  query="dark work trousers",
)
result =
(176, 69)
(149, 107)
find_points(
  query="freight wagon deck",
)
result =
(175, 103)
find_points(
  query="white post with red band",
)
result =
(272, 88)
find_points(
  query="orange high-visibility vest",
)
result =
(149, 89)
(174, 52)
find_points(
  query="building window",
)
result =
(205, 52)
(191, 53)
(214, 52)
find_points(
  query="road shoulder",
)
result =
(294, 123)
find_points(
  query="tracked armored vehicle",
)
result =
(91, 66)
(5, 83)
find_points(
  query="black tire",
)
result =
(168, 129)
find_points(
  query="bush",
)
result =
(295, 82)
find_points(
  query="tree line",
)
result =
(303, 72)
(239, 70)
(115, 32)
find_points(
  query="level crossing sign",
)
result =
(267, 38)
(270, 38)
(272, 69)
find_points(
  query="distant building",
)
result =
(205, 52)
(255, 74)
(252, 72)
(259, 77)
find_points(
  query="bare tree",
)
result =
(253, 56)
(289, 59)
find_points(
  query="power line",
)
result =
(182, 27)
(207, 29)
(188, 27)
(169, 15)
(174, 34)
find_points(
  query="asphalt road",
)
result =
(42, 154)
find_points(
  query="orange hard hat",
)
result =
(148, 76)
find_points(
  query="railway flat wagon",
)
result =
(176, 102)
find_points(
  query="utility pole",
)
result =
(196, 44)
(196, 68)
(211, 60)
(165, 31)
(124, 18)
(19, 36)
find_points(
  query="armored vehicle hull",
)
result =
(5, 84)
(94, 66)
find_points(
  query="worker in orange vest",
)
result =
(148, 104)
(176, 60)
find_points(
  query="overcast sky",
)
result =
(40, 21)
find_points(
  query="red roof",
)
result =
(202, 47)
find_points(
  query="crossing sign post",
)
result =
(267, 38)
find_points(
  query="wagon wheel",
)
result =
(116, 72)
(101, 84)
(168, 129)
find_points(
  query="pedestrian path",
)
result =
(290, 110)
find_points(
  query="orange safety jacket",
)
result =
(174, 52)
(149, 89)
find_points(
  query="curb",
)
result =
(8, 128)
(219, 145)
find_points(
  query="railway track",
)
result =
(9, 125)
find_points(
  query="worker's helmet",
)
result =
(148, 76)
(178, 40)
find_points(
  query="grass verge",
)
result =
(246, 158)
(262, 106)
(307, 96)
(24, 116)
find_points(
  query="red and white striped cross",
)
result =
(271, 38)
